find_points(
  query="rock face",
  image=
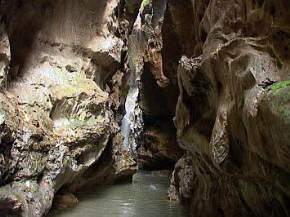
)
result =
(159, 149)
(149, 108)
(209, 82)
(59, 129)
(232, 111)
(5, 55)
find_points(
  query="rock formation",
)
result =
(58, 125)
(198, 82)
(235, 132)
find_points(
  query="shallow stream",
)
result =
(146, 196)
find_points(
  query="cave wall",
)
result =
(59, 126)
(232, 111)
(214, 87)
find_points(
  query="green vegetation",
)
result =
(279, 100)
(279, 85)
(77, 123)
(74, 86)
(144, 4)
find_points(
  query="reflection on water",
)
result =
(145, 197)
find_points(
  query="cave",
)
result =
(144, 108)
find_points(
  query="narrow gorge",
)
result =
(116, 95)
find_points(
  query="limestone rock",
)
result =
(65, 201)
(57, 121)
(218, 70)
(5, 55)
(235, 131)
(159, 149)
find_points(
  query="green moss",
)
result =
(81, 122)
(285, 113)
(73, 85)
(144, 4)
(279, 100)
(75, 88)
(279, 85)
(46, 123)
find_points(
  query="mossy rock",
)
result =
(279, 101)
(76, 123)
(144, 4)
(75, 88)
(280, 85)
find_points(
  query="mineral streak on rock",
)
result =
(132, 123)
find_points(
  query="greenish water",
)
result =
(146, 196)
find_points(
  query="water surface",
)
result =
(146, 196)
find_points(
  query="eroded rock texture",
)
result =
(211, 76)
(232, 111)
(156, 146)
(59, 127)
